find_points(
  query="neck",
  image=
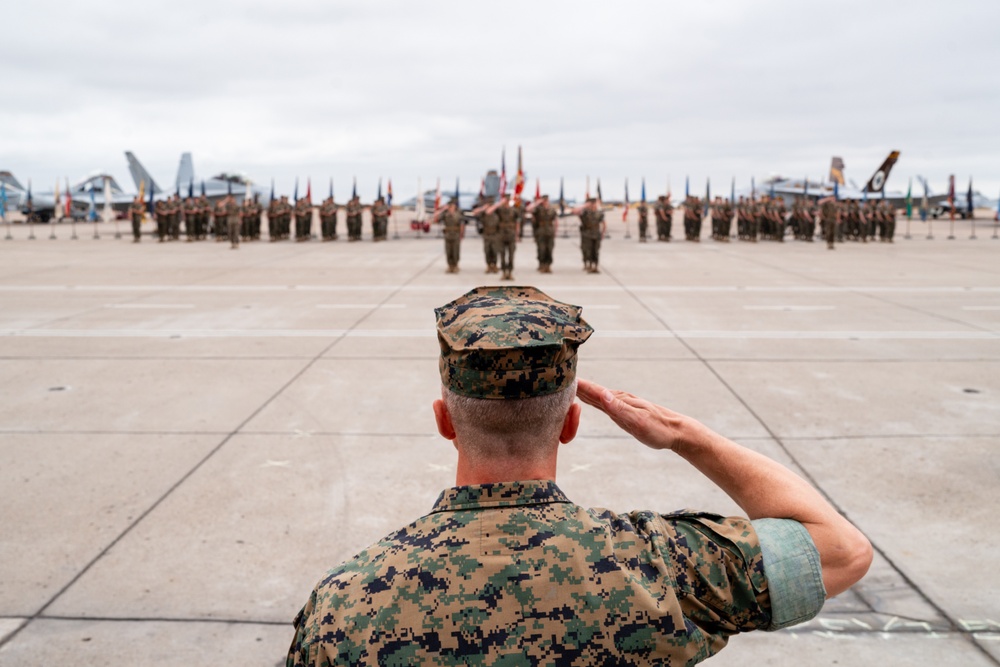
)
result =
(494, 470)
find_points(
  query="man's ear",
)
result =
(443, 419)
(570, 424)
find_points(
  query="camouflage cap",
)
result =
(508, 343)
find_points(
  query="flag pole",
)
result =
(3, 210)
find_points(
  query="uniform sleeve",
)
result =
(719, 571)
(792, 567)
(303, 650)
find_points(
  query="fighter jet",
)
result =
(91, 191)
(186, 183)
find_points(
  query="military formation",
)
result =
(502, 222)
(231, 221)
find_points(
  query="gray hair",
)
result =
(523, 428)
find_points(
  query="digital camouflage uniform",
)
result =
(303, 220)
(506, 239)
(491, 238)
(643, 212)
(380, 220)
(136, 212)
(451, 223)
(828, 219)
(232, 212)
(544, 216)
(328, 219)
(513, 573)
(664, 212)
(191, 218)
(590, 237)
(162, 220)
(221, 231)
(354, 219)
(692, 219)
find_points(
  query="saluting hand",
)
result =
(651, 424)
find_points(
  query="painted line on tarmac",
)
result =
(360, 306)
(980, 307)
(791, 308)
(448, 289)
(429, 333)
(148, 306)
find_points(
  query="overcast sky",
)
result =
(434, 89)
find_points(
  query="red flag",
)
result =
(69, 200)
(538, 189)
(308, 189)
(519, 182)
(437, 197)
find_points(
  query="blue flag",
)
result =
(708, 194)
(31, 204)
(923, 204)
(643, 194)
(687, 187)
(354, 188)
(562, 199)
(771, 192)
(331, 189)
(732, 192)
(836, 191)
(152, 208)
(92, 211)
(3, 201)
(379, 195)
(968, 197)
(753, 188)
(191, 188)
(272, 190)
(456, 193)
(295, 194)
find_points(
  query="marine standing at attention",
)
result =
(354, 219)
(380, 220)
(328, 219)
(454, 230)
(303, 219)
(506, 570)
(664, 212)
(232, 216)
(506, 234)
(592, 229)
(490, 223)
(643, 211)
(137, 211)
(829, 213)
(545, 227)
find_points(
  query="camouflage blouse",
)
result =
(516, 574)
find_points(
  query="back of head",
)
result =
(508, 367)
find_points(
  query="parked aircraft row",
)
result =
(101, 189)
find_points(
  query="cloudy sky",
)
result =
(404, 90)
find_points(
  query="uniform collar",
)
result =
(501, 494)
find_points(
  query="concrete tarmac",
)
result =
(192, 435)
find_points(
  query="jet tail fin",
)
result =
(185, 171)
(140, 175)
(877, 181)
(837, 170)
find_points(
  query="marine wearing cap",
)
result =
(509, 343)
